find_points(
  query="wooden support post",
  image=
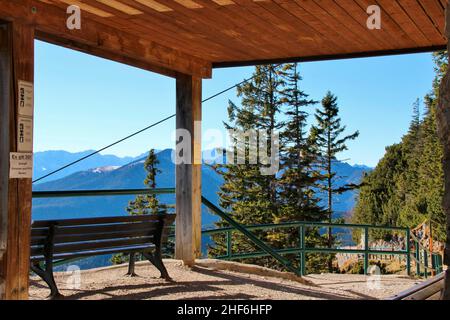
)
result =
(16, 64)
(443, 126)
(188, 169)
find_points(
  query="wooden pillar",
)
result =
(443, 126)
(16, 64)
(188, 173)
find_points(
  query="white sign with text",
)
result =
(20, 165)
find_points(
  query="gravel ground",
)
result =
(207, 283)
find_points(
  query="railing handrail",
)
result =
(95, 193)
(307, 224)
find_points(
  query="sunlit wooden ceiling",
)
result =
(242, 32)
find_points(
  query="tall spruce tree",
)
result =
(296, 185)
(329, 140)
(250, 196)
(298, 182)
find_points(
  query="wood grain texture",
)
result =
(443, 130)
(5, 106)
(19, 50)
(191, 36)
(102, 36)
(188, 175)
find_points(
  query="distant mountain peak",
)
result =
(104, 169)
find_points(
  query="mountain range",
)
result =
(111, 172)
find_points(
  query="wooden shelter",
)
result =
(186, 40)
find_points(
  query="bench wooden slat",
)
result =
(64, 256)
(94, 245)
(60, 239)
(100, 220)
(94, 229)
(40, 239)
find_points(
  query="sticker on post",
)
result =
(20, 165)
(25, 134)
(26, 98)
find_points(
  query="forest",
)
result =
(407, 185)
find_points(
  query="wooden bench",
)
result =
(60, 240)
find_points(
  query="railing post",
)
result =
(366, 250)
(408, 252)
(433, 264)
(229, 235)
(302, 251)
(417, 258)
(425, 262)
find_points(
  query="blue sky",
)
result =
(83, 102)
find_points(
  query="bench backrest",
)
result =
(90, 236)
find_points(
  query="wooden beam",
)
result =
(103, 40)
(324, 57)
(188, 171)
(17, 64)
(5, 99)
(443, 128)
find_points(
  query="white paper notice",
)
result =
(20, 165)
(26, 98)
(25, 134)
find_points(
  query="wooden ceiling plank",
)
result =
(434, 10)
(234, 22)
(155, 5)
(444, 4)
(247, 20)
(422, 20)
(396, 12)
(361, 16)
(331, 28)
(315, 27)
(389, 26)
(51, 21)
(306, 34)
(338, 56)
(120, 7)
(174, 22)
(149, 32)
(359, 28)
(211, 24)
(86, 7)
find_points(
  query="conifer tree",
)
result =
(299, 180)
(297, 183)
(250, 196)
(143, 205)
(149, 203)
(329, 140)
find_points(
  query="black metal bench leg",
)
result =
(156, 260)
(47, 276)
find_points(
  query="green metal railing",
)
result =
(421, 259)
(264, 249)
(303, 249)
